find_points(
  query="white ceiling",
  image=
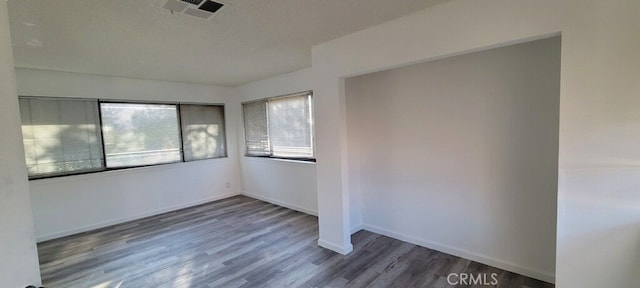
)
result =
(245, 41)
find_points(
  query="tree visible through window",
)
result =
(140, 134)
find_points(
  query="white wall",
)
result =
(18, 254)
(598, 234)
(599, 194)
(288, 183)
(461, 154)
(71, 204)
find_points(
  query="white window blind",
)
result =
(280, 127)
(255, 128)
(61, 136)
(140, 134)
(290, 126)
(203, 134)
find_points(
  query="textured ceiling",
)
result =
(245, 41)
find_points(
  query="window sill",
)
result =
(280, 160)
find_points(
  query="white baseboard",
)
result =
(480, 258)
(344, 250)
(282, 203)
(41, 238)
(356, 229)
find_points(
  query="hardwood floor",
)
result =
(243, 242)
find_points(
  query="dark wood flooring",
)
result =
(243, 242)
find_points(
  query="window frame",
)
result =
(308, 93)
(104, 167)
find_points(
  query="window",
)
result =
(140, 134)
(280, 127)
(203, 133)
(61, 136)
(73, 136)
(255, 128)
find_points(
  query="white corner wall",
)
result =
(18, 253)
(598, 234)
(72, 204)
(290, 184)
(461, 154)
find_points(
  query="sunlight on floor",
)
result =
(108, 284)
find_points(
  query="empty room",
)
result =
(299, 143)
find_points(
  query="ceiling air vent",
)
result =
(199, 8)
(211, 6)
